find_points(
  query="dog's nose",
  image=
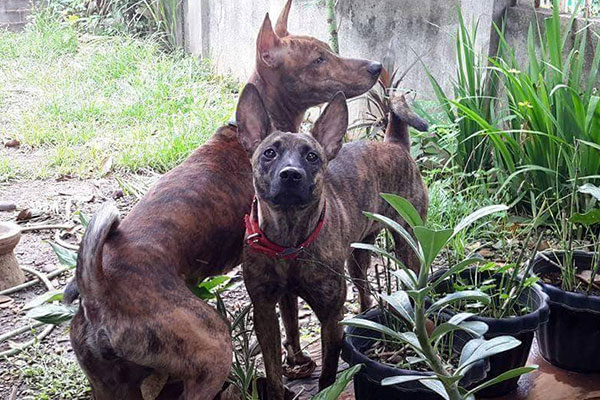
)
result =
(374, 68)
(292, 175)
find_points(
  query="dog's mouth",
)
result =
(288, 198)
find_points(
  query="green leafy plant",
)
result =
(413, 307)
(473, 93)
(552, 128)
(138, 17)
(335, 390)
(579, 223)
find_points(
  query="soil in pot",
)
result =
(570, 340)
(530, 311)
(358, 342)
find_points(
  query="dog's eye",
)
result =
(312, 157)
(270, 153)
(319, 60)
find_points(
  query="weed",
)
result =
(50, 376)
(81, 99)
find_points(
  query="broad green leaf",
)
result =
(477, 215)
(457, 269)
(400, 302)
(398, 228)
(449, 380)
(465, 295)
(404, 208)
(478, 349)
(52, 313)
(407, 337)
(397, 380)
(84, 219)
(48, 297)
(335, 390)
(371, 325)
(475, 328)
(590, 218)
(207, 289)
(436, 386)
(513, 373)
(383, 253)
(460, 317)
(406, 276)
(593, 190)
(432, 241)
(66, 257)
(419, 295)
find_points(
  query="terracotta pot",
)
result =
(10, 273)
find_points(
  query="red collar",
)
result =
(256, 239)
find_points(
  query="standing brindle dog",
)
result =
(138, 322)
(310, 194)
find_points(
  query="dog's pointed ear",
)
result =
(252, 119)
(330, 128)
(282, 22)
(268, 45)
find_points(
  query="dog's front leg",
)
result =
(288, 307)
(332, 335)
(269, 338)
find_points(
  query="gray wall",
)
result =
(14, 14)
(225, 31)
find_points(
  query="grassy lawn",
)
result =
(87, 102)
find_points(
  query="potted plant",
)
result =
(405, 320)
(570, 278)
(517, 308)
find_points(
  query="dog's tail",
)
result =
(400, 118)
(89, 259)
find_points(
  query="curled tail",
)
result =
(401, 117)
(89, 258)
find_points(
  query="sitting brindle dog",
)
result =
(138, 323)
(310, 194)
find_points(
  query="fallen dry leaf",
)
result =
(25, 214)
(4, 299)
(14, 143)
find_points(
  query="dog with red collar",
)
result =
(310, 195)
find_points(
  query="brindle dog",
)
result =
(138, 320)
(310, 186)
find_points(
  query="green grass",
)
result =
(50, 376)
(8, 170)
(83, 99)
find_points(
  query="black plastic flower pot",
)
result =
(522, 328)
(571, 338)
(367, 383)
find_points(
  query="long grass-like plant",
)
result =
(553, 122)
(473, 92)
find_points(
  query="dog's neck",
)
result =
(285, 115)
(291, 226)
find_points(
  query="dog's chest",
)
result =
(272, 276)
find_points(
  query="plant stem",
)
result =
(332, 24)
(421, 332)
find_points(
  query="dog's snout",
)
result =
(292, 175)
(374, 68)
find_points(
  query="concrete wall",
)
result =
(522, 16)
(14, 14)
(225, 31)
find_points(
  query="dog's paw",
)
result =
(299, 371)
